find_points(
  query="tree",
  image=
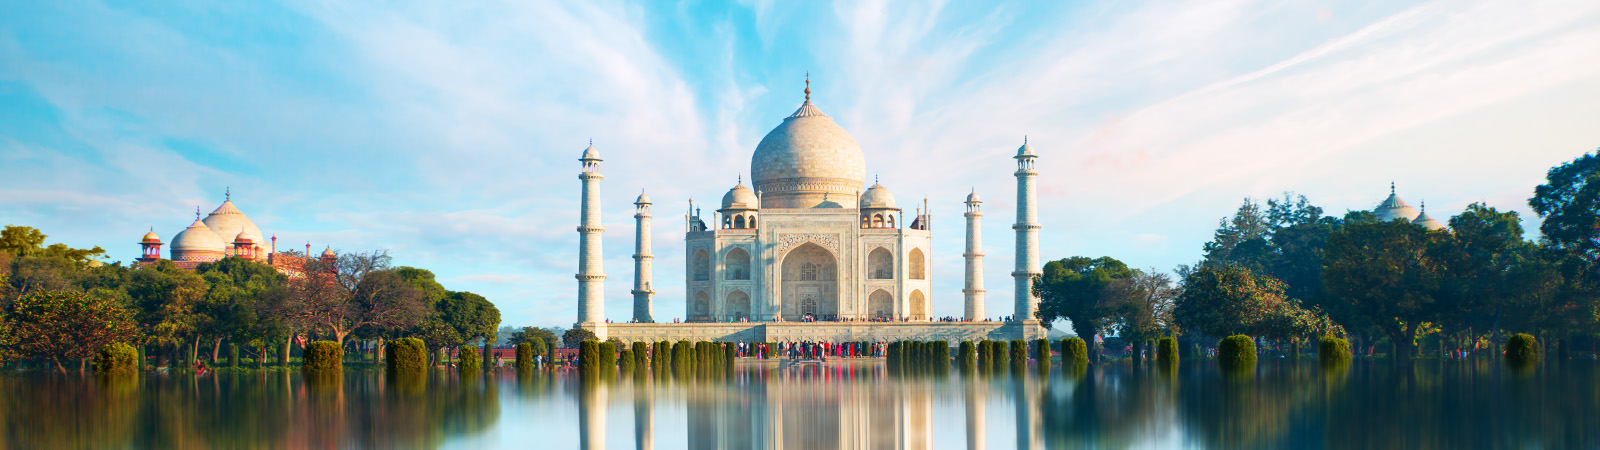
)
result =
(1241, 239)
(527, 333)
(575, 336)
(1495, 263)
(1140, 306)
(1392, 274)
(164, 300)
(1224, 300)
(355, 290)
(20, 240)
(1569, 204)
(459, 318)
(1075, 289)
(239, 304)
(65, 325)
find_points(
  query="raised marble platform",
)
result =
(817, 331)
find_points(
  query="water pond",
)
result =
(845, 405)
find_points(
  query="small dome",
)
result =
(642, 200)
(1428, 222)
(877, 197)
(244, 237)
(590, 153)
(197, 238)
(1393, 208)
(151, 238)
(328, 252)
(973, 197)
(1025, 149)
(740, 197)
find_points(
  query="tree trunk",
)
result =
(83, 365)
(216, 347)
(283, 358)
(338, 337)
(377, 351)
(194, 349)
(59, 368)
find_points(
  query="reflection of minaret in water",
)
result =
(1028, 412)
(975, 410)
(592, 415)
(644, 422)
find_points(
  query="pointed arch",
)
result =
(917, 264)
(880, 305)
(808, 282)
(701, 265)
(737, 305)
(880, 264)
(919, 306)
(736, 264)
(702, 306)
(738, 221)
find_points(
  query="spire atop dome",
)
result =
(227, 194)
(196, 212)
(808, 86)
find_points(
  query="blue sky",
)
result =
(448, 133)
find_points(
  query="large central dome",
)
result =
(806, 161)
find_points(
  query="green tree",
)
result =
(1392, 274)
(1569, 205)
(164, 301)
(1075, 289)
(1140, 306)
(64, 325)
(576, 335)
(1223, 300)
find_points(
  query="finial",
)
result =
(1424, 206)
(197, 212)
(227, 194)
(1391, 187)
(1024, 139)
(740, 178)
(808, 86)
(874, 178)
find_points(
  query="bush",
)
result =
(641, 355)
(1074, 351)
(406, 356)
(968, 355)
(1000, 352)
(1019, 354)
(941, 355)
(1522, 349)
(625, 360)
(116, 358)
(728, 356)
(1167, 351)
(322, 358)
(589, 357)
(608, 357)
(1041, 352)
(1333, 351)
(469, 361)
(233, 355)
(985, 354)
(524, 357)
(1236, 352)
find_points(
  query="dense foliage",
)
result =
(1522, 349)
(116, 359)
(1236, 352)
(1167, 351)
(469, 363)
(589, 357)
(1074, 351)
(406, 356)
(1333, 351)
(524, 357)
(967, 355)
(323, 358)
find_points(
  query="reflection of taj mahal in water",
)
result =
(806, 254)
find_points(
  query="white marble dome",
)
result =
(877, 197)
(807, 158)
(1428, 222)
(197, 241)
(740, 197)
(1393, 208)
(227, 222)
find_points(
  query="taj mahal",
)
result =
(807, 251)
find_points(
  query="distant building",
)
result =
(223, 233)
(1393, 208)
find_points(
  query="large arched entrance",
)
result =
(880, 305)
(919, 306)
(738, 306)
(810, 283)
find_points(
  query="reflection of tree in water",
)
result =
(1107, 406)
(267, 410)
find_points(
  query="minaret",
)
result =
(591, 272)
(974, 255)
(642, 291)
(1027, 235)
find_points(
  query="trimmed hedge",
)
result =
(1041, 352)
(608, 357)
(968, 355)
(1236, 352)
(1522, 349)
(116, 358)
(406, 356)
(1333, 351)
(1167, 351)
(625, 360)
(233, 355)
(469, 360)
(1001, 354)
(589, 357)
(1019, 353)
(524, 357)
(323, 358)
(641, 355)
(1075, 351)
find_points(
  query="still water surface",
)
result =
(1434, 404)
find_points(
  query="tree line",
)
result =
(59, 305)
(1287, 272)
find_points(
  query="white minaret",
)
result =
(1027, 236)
(974, 290)
(642, 291)
(591, 270)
